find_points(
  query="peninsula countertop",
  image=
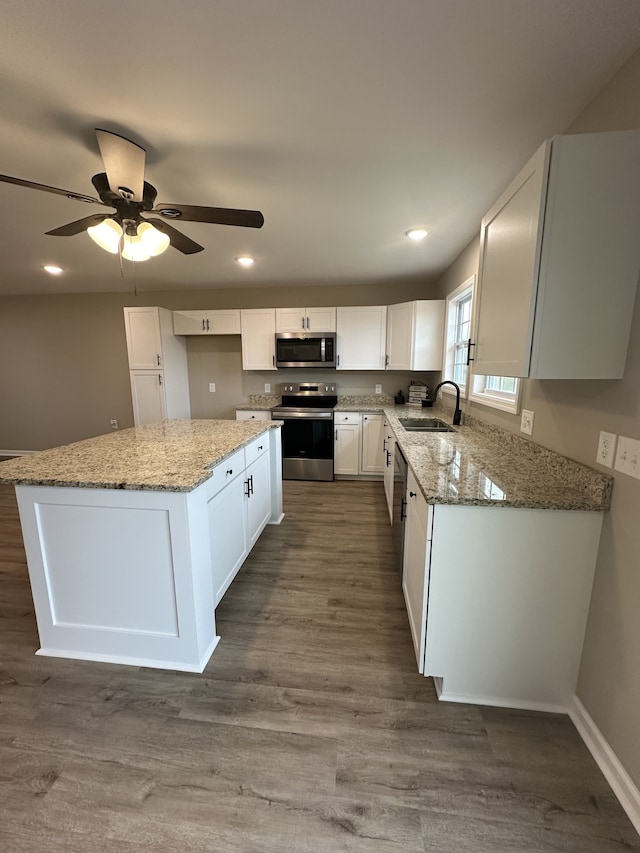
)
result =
(172, 456)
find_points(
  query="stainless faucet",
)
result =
(457, 415)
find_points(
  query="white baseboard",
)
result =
(621, 783)
(16, 452)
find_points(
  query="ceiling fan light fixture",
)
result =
(134, 248)
(153, 240)
(107, 235)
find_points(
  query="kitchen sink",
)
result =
(425, 425)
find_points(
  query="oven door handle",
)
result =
(285, 416)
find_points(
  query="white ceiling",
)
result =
(345, 122)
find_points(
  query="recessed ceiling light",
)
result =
(245, 261)
(417, 234)
(53, 269)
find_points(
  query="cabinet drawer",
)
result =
(253, 415)
(346, 418)
(224, 472)
(421, 506)
(256, 448)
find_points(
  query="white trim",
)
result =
(451, 300)
(133, 661)
(17, 452)
(496, 402)
(621, 783)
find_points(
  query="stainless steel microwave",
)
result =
(295, 349)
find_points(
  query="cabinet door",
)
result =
(144, 346)
(320, 319)
(189, 323)
(361, 337)
(415, 567)
(223, 322)
(508, 272)
(258, 338)
(258, 500)
(372, 439)
(148, 397)
(291, 319)
(400, 336)
(227, 534)
(347, 449)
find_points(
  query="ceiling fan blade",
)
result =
(177, 239)
(215, 215)
(7, 179)
(78, 226)
(124, 164)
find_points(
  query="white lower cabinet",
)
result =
(347, 443)
(147, 396)
(372, 458)
(497, 599)
(238, 508)
(415, 565)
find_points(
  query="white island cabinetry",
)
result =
(132, 574)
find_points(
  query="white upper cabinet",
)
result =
(217, 322)
(415, 333)
(361, 337)
(559, 262)
(258, 327)
(144, 344)
(305, 319)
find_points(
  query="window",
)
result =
(499, 392)
(458, 325)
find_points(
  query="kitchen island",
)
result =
(132, 538)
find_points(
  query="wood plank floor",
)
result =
(310, 729)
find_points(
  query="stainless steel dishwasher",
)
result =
(400, 469)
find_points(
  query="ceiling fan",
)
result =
(122, 187)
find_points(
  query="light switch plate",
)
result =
(267, 387)
(378, 389)
(526, 422)
(212, 387)
(628, 457)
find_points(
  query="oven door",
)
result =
(307, 445)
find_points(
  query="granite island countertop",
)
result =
(172, 456)
(481, 465)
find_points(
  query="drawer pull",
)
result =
(230, 471)
(261, 447)
(412, 494)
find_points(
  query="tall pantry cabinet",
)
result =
(157, 366)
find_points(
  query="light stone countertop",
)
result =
(482, 465)
(170, 456)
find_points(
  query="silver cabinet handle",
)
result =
(159, 379)
(337, 361)
(386, 360)
(204, 327)
(208, 326)
(308, 326)
(158, 359)
(302, 318)
(273, 360)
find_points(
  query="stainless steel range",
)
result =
(307, 433)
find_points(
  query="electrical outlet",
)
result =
(606, 449)
(526, 422)
(267, 387)
(212, 387)
(378, 389)
(114, 423)
(628, 457)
